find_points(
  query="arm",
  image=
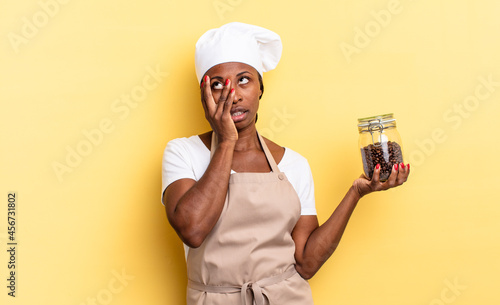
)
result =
(314, 243)
(193, 207)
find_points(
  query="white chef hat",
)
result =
(238, 42)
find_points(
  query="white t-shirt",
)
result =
(189, 158)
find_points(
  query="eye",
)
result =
(217, 85)
(244, 80)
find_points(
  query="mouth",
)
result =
(238, 115)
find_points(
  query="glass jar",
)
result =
(380, 143)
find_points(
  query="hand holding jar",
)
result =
(382, 155)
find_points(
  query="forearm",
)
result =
(324, 240)
(198, 210)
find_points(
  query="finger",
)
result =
(402, 174)
(376, 175)
(208, 99)
(225, 92)
(229, 104)
(220, 107)
(223, 98)
(391, 182)
(203, 102)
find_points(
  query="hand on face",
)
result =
(218, 114)
(230, 96)
(399, 175)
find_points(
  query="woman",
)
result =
(243, 205)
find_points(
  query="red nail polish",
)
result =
(407, 166)
(232, 90)
(227, 81)
(395, 166)
(202, 83)
(402, 165)
(378, 166)
(206, 78)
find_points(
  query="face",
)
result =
(245, 81)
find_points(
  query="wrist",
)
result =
(225, 139)
(355, 192)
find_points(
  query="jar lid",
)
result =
(381, 119)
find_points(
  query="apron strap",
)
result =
(256, 287)
(269, 156)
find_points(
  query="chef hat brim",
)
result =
(238, 42)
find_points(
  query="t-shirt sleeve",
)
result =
(300, 176)
(176, 164)
(306, 191)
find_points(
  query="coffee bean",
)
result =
(386, 154)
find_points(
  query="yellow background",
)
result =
(423, 62)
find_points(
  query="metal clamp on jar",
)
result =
(380, 143)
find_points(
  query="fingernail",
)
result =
(407, 166)
(402, 165)
(206, 78)
(227, 81)
(378, 166)
(232, 90)
(202, 83)
(395, 166)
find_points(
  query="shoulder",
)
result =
(294, 159)
(286, 157)
(297, 169)
(276, 150)
(206, 139)
(192, 144)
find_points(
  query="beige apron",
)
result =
(248, 257)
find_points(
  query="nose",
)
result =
(237, 97)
